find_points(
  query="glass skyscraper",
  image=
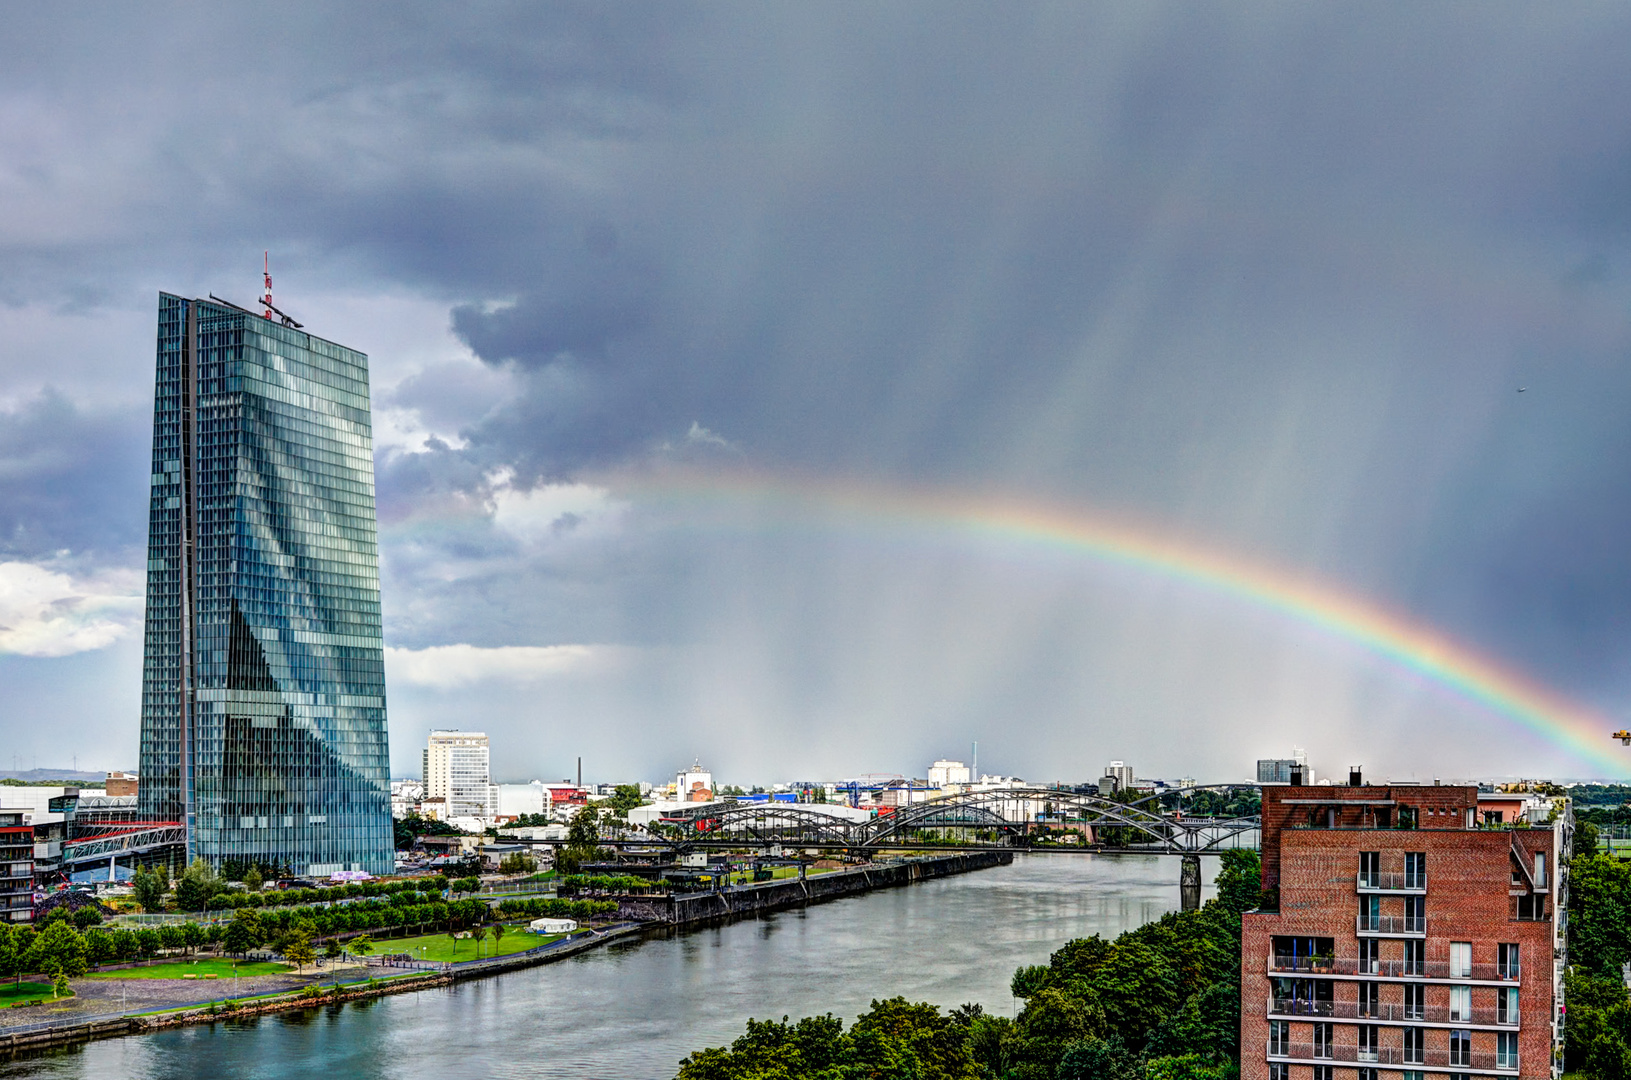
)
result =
(263, 684)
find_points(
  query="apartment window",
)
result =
(1370, 956)
(1415, 914)
(1461, 1004)
(1460, 959)
(1367, 1073)
(1412, 1074)
(1540, 869)
(1415, 869)
(1370, 869)
(1506, 1005)
(1370, 999)
(1279, 1071)
(1506, 1050)
(1370, 913)
(1367, 1042)
(1323, 1040)
(1506, 961)
(1414, 960)
(1415, 1002)
(1415, 1048)
(1322, 1072)
(1279, 1038)
(1460, 1048)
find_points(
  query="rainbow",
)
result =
(1394, 637)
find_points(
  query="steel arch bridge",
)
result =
(1000, 817)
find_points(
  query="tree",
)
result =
(58, 950)
(87, 916)
(453, 936)
(333, 950)
(1240, 880)
(193, 935)
(498, 935)
(362, 944)
(244, 932)
(150, 887)
(299, 950)
(1585, 839)
(1600, 914)
(253, 880)
(625, 797)
(519, 863)
(197, 886)
(59, 986)
(100, 946)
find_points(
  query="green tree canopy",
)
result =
(197, 886)
(58, 950)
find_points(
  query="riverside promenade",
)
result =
(109, 1008)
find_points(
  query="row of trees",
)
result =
(1161, 1002)
(61, 948)
(1597, 1027)
(199, 888)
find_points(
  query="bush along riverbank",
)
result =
(1161, 1002)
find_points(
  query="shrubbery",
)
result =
(1161, 1002)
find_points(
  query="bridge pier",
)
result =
(1189, 883)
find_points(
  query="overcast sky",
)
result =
(1263, 278)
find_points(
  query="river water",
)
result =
(632, 1010)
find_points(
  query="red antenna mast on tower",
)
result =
(267, 299)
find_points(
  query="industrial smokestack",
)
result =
(1297, 775)
(580, 773)
(1354, 779)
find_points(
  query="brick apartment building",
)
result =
(1408, 944)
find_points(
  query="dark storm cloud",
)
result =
(1266, 276)
(71, 479)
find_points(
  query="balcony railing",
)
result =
(1391, 883)
(1385, 1013)
(1392, 1055)
(1387, 969)
(1394, 925)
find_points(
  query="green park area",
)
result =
(180, 969)
(440, 948)
(11, 993)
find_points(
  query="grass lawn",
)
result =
(28, 991)
(439, 947)
(175, 969)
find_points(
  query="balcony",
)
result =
(1387, 969)
(1392, 884)
(1436, 1060)
(1288, 1008)
(1390, 926)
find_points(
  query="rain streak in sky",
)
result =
(1341, 294)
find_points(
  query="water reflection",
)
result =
(633, 1010)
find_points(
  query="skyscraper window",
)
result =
(263, 681)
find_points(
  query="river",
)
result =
(633, 1010)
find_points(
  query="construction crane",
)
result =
(1623, 736)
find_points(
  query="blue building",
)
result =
(263, 683)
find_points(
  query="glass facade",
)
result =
(263, 684)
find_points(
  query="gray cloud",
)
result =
(1264, 277)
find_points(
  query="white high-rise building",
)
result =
(515, 800)
(943, 772)
(695, 784)
(457, 768)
